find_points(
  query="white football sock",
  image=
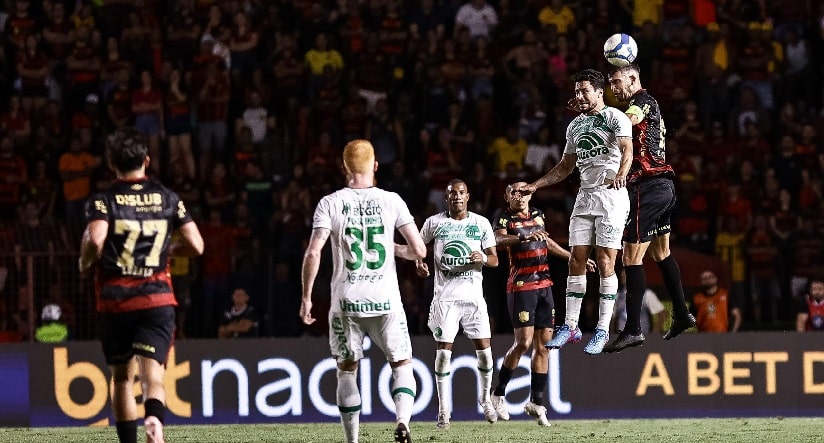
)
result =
(607, 291)
(349, 404)
(576, 288)
(404, 389)
(443, 359)
(485, 366)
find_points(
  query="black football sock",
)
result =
(155, 408)
(504, 375)
(538, 385)
(126, 431)
(672, 280)
(636, 286)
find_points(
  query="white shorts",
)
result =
(599, 217)
(446, 316)
(389, 332)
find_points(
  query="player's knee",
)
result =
(521, 345)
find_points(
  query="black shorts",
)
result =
(651, 202)
(178, 125)
(531, 308)
(146, 332)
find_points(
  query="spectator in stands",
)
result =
(317, 59)
(714, 309)
(178, 127)
(16, 123)
(243, 44)
(218, 256)
(810, 309)
(119, 101)
(478, 17)
(763, 263)
(714, 62)
(13, 175)
(241, 320)
(508, 148)
(75, 168)
(729, 247)
(147, 108)
(385, 131)
(212, 113)
(33, 68)
(558, 15)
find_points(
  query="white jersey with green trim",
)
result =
(594, 138)
(362, 224)
(455, 277)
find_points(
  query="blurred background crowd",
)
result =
(247, 105)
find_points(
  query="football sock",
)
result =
(538, 386)
(636, 287)
(485, 366)
(155, 408)
(404, 389)
(443, 359)
(349, 404)
(504, 375)
(576, 288)
(126, 431)
(671, 274)
(607, 291)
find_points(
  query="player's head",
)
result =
(589, 90)
(457, 196)
(128, 150)
(624, 81)
(517, 199)
(359, 158)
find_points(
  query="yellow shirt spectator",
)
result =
(562, 18)
(647, 11)
(316, 60)
(509, 149)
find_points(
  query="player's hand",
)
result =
(538, 236)
(591, 265)
(620, 181)
(528, 189)
(477, 257)
(306, 312)
(421, 269)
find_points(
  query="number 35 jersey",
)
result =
(133, 269)
(362, 224)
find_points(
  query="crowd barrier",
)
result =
(293, 380)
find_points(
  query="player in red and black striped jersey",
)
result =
(127, 244)
(652, 199)
(522, 231)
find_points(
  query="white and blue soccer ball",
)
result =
(620, 49)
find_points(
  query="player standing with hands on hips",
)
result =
(599, 144)
(464, 243)
(361, 219)
(652, 196)
(127, 243)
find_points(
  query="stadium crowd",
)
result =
(247, 105)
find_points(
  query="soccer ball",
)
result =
(620, 49)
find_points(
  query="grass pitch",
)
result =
(739, 430)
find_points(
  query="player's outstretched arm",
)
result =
(309, 271)
(625, 144)
(558, 173)
(189, 242)
(91, 244)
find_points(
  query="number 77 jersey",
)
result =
(133, 269)
(362, 224)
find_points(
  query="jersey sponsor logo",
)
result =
(455, 253)
(340, 335)
(365, 306)
(153, 199)
(367, 208)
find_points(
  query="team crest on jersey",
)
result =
(519, 283)
(473, 232)
(438, 332)
(523, 316)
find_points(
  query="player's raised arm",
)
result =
(309, 271)
(625, 144)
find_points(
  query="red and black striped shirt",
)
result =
(528, 260)
(133, 271)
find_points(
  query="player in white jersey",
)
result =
(361, 219)
(599, 143)
(463, 243)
